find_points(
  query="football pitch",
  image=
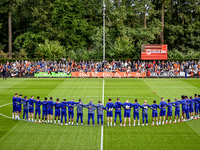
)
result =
(29, 135)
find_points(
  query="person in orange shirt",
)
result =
(175, 65)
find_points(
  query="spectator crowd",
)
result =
(23, 67)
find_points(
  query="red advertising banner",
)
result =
(154, 52)
(108, 74)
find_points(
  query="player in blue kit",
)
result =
(31, 108)
(57, 111)
(63, 105)
(188, 108)
(37, 109)
(18, 107)
(186, 71)
(145, 107)
(177, 104)
(162, 107)
(44, 110)
(198, 100)
(50, 109)
(196, 106)
(91, 107)
(25, 103)
(118, 105)
(184, 108)
(169, 111)
(14, 112)
(127, 112)
(100, 109)
(154, 108)
(79, 112)
(136, 107)
(191, 108)
(109, 108)
(71, 110)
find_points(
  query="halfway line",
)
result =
(102, 126)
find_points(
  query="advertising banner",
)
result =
(168, 74)
(154, 52)
(52, 74)
(108, 74)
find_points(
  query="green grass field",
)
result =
(28, 135)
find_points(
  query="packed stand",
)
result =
(22, 67)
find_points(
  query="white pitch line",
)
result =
(150, 86)
(102, 126)
(3, 114)
(5, 105)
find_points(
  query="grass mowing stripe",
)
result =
(83, 134)
(171, 93)
(6, 84)
(6, 124)
(102, 126)
(95, 87)
(43, 136)
(195, 126)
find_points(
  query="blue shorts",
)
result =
(127, 114)
(109, 114)
(44, 113)
(169, 114)
(37, 111)
(14, 109)
(191, 110)
(18, 108)
(50, 111)
(162, 112)
(177, 113)
(57, 112)
(70, 114)
(155, 114)
(31, 110)
(136, 115)
(184, 110)
(196, 109)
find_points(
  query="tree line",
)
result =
(73, 28)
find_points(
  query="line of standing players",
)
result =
(189, 105)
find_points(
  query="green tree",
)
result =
(50, 49)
